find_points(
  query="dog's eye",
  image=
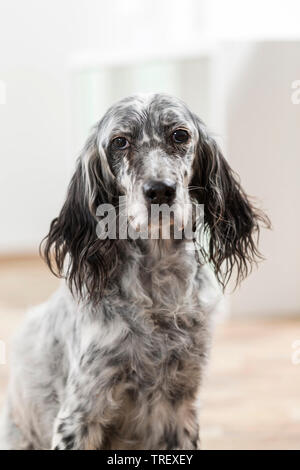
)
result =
(120, 143)
(180, 136)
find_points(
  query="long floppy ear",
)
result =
(72, 249)
(230, 219)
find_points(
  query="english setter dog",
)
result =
(114, 360)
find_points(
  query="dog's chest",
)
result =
(162, 307)
(148, 349)
(165, 356)
(158, 363)
(161, 335)
(152, 334)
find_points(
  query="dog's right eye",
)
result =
(180, 136)
(120, 143)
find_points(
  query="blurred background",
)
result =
(237, 65)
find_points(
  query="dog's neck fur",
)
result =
(156, 279)
(161, 270)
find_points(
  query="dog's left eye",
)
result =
(180, 136)
(120, 143)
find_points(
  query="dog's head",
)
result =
(153, 150)
(149, 145)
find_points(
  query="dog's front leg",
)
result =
(187, 428)
(83, 417)
(189, 441)
(73, 431)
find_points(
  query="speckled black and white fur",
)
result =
(114, 359)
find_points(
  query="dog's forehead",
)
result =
(137, 112)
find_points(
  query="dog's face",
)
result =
(149, 143)
(155, 151)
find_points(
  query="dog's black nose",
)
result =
(160, 192)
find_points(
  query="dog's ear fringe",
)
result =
(72, 249)
(87, 273)
(232, 222)
(234, 264)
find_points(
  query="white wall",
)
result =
(262, 129)
(35, 40)
(252, 19)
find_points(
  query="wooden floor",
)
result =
(251, 393)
